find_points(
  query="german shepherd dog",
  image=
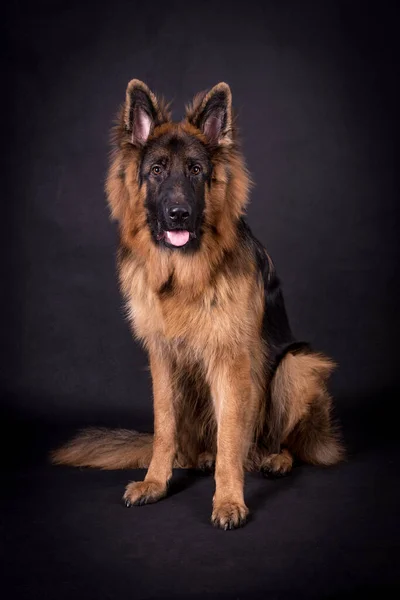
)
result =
(233, 390)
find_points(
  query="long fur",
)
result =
(299, 415)
(231, 383)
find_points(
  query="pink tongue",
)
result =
(177, 238)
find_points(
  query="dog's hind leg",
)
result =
(300, 411)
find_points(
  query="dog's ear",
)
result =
(142, 112)
(212, 114)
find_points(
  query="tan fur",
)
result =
(302, 406)
(278, 464)
(106, 449)
(204, 341)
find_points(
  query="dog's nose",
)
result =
(178, 213)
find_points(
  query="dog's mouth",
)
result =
(176, 237)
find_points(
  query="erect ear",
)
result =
(212, 114)
(142, 112)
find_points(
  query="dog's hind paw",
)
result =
(277, 465)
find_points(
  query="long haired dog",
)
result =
(232, 387)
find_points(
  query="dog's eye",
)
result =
(195, 170)
(156, 169)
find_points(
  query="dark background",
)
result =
(314, 84)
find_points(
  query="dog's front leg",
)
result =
(154, 486)
(235, 409)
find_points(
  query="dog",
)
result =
(233, 389)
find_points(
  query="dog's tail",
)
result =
(106, 449)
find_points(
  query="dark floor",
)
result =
(319, 533)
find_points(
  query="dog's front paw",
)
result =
(143, 492)
(229, 515)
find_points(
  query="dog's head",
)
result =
(172, 178)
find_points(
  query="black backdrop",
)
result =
(314, 84)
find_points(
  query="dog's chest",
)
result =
(202, 322)
(219, 317)
(172, 318)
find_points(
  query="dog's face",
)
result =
(176, 168)
(175, 161)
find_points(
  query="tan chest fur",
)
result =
(221, 318)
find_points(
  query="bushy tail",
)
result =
(300, 408)
(103, 448)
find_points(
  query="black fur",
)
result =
(167, 287)
(175, 183)
(277, 333)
